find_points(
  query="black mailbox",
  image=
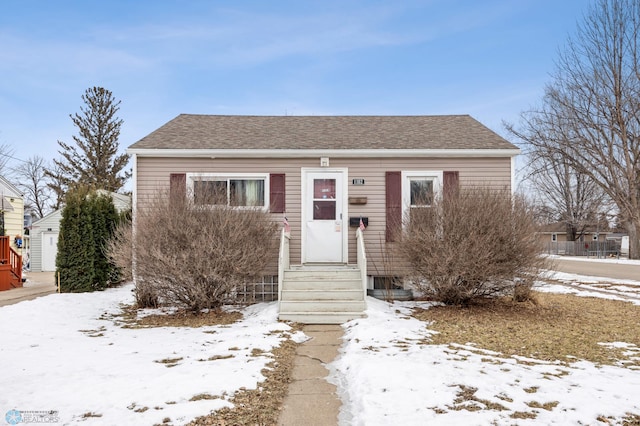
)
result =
(355, 221)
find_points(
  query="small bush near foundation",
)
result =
(476, 243)
(193, 256)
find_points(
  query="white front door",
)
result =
(49, 250)
(324, 216)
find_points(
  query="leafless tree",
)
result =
(563, 194)
(6, 154)
(57, 183)
(30, 178)
(590, 114)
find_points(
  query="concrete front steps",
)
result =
(322, 294)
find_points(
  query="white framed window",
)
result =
(419, 189)
(232, 190)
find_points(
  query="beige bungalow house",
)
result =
(324, 174)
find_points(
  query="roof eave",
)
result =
(336, 153)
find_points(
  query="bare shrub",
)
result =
(193, 256)
(119, 251)
(477, 243)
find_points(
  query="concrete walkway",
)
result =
(37, 284)
(312, 401)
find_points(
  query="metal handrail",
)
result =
(362, 259)
(283, 261)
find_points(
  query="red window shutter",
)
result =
(277, 193)
(177, 185)
(393, 204)
(451, 183)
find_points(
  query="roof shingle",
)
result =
(189, 131)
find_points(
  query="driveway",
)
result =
(37, 284)
(622, 270)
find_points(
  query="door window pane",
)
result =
(324, 210)
(324, 189)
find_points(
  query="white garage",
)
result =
(44, 236)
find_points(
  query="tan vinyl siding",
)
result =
(14, 220)
(153, 175)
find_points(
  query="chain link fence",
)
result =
(600, 249)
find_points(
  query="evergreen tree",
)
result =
(88, 221)
(92, 160)
(74, 261)
(104, 220)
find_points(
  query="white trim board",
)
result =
(337, 153)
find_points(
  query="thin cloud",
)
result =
(64, 56)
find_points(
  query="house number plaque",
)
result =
(357, 181)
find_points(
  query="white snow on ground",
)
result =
(589, 286)
(68, 353)
(64, 352)
(387, 374)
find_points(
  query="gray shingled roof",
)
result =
(188, 131)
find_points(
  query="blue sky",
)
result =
(487, 58)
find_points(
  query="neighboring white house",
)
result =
(45, 231)
(12, 212)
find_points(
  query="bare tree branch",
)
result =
(31, 180)
(590, 114)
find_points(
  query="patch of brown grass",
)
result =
(133, 406)
(549, 406)
(128, 318)
(556, 327)
(217, 357)
(169, 362)
(466, 399)
(631, 420)
(523, 415)
(202, 396)
(189, 319)
(628, 420)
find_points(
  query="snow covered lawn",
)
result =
(68, 353)
(64, 353)
(585, 286)
(388, 373)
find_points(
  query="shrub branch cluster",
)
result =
(476, 243)
(193, 256)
